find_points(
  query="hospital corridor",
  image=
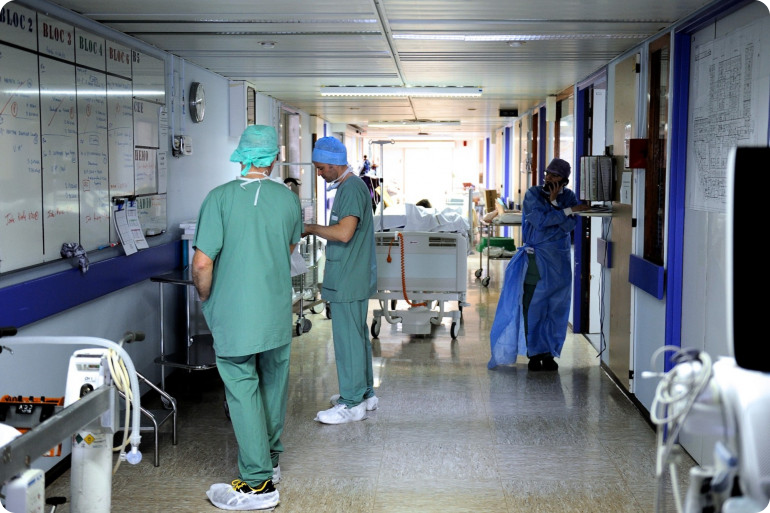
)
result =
(448, 436)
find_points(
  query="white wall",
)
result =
(704, 324)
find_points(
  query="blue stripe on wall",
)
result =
(28, 302)
(580, 142)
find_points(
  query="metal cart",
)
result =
(488, 228)
(307, 286)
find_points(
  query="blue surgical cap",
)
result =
(258, 147)
(329, 150)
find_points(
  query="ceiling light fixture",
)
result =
(457, 92)
(514, 37)
(267, 44)
(411, 123)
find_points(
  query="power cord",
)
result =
(403, 269)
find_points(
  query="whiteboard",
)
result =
(68, 135)
(21, 205)
(93, 159)
(60, 156)
(149, 77)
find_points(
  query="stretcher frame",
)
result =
(435, 271)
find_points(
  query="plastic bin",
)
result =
(506, 243)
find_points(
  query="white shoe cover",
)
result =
(223, 496)
(341, 414)
(371, 404)
(276, 474)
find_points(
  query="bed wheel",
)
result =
(478, 273)
(485, 281)
(453, 330)
(375, 331)
(298, 329)
(317, 308)
(328, 311)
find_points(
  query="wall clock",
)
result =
(197, 102)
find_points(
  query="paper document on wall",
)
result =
(124, 230)
(132, 216)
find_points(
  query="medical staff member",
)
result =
(246, 232)
(533, 310)
(350, 279)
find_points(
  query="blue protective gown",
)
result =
(546, 232)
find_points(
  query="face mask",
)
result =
(259, 188)
(336, 183)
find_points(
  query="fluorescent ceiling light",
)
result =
(411, 123)
(466, 92)
(515, 37)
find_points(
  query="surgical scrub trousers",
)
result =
(256, 385)
(353, 351)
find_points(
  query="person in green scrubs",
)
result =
(350, 279)
(247, 229)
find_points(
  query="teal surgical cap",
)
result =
(258, 147)
(329, 150)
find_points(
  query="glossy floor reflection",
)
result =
(449, 435)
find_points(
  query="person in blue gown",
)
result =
(533, 311)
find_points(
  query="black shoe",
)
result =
(549, 364)
(535, 363)
(265, 487)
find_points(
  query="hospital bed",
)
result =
(420, 267)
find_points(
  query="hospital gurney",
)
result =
(434, 268)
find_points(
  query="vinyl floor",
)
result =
(449, 435)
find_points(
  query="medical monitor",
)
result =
(747, 266)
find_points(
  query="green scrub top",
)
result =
(249, 309)
(350, 271)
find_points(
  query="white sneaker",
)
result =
(276, 474)
(340, 414)
(371, 403)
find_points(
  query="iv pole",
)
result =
(382, 180)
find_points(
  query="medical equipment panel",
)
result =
(421, 268)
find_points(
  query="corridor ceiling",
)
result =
(518, 53)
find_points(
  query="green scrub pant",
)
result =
(352, 351)
(256, 389)
(530, 283)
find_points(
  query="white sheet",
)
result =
(412, 218)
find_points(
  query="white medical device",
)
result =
(91, 396)
(731, 398)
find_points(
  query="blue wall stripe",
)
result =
(541, 163)
(677, 189)
(31, 301)
(507, 173)
(577, 286)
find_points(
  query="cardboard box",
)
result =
(490, 195)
